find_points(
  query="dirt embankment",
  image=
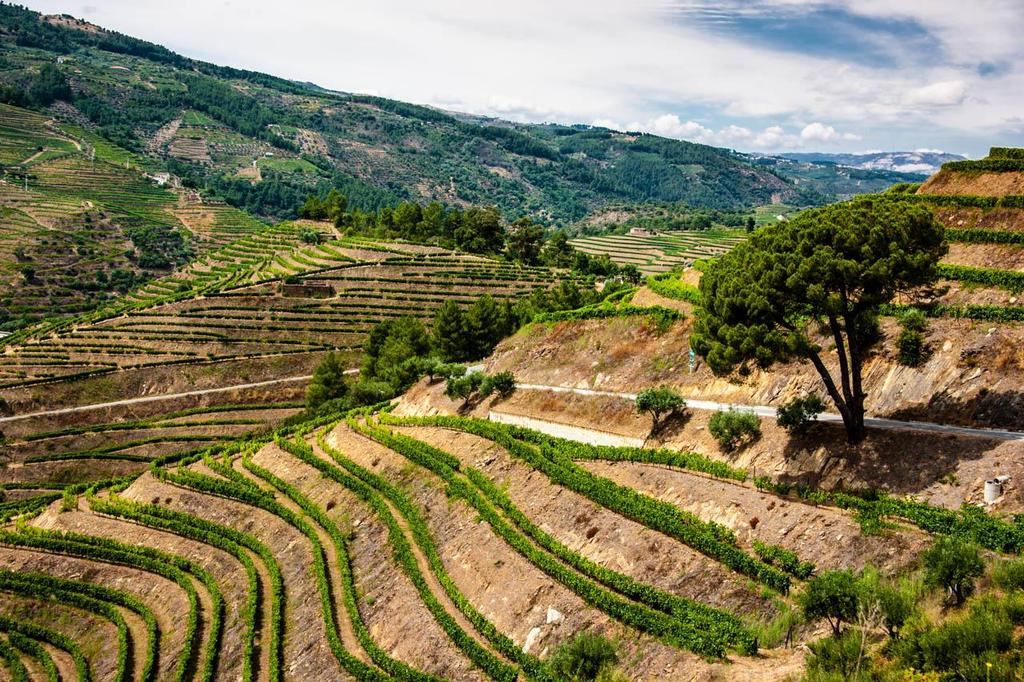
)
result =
(165, 598)
(1009, 219)
(972, 384)
(1001, 256)
(228, 573)
(978, 183)
(973, 376)
(388, 601)
(600, 534)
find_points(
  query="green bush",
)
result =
(329, 381)
(838, 654)
(1009, 574)
(958, 646)
(914, 320)
(583, 658)
(796, 415)
(785, 559)
(502, 383)
(912, 351)
(733, 428)
(953, 564)
(911, 348)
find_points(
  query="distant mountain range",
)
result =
(922, 161)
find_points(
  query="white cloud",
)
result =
(819, 132)
(942, 94)
(613, 60)
(771, 138)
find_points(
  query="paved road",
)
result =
(759, 410)
(164, 396)
(766, 411)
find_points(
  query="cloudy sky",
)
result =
(755, 75)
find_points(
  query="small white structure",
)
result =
(994, 488)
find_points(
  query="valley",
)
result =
(305, 385)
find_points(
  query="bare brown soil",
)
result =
(1010, 219)
(1001, 256)
(944, 469)
(97, 637)
(388, 603)
(972, 377)
(986, 184)
(599, 534)
(306, 653)
(506, 588)
(228, 573)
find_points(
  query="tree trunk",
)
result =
(851, 411)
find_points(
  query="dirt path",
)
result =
(166, 396)
(770, 412)
(759, 410)
(65, 664)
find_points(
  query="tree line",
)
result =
(398, 352)
(475, 230)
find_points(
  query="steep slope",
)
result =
(263, 143)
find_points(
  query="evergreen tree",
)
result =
(328, 382)
(827, 269)
(484, 327)
(449, 332)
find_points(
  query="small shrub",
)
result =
(583, 658)
(733, 428)
(502, 383)
(953, 565)
(796, 415)
(841, 654)
(464, 386)
(783, 558)
(957, 645)
(912, 350)
(1009, 574)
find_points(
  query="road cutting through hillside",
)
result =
(164, 396)
(771, 412)
(759, 410)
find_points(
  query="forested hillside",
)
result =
(263, 143)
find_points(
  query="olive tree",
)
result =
(820, 278)
(657, 402)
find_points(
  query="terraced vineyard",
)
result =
(662, 251)
(82, 222)
(333, 308)
(234, 332)
(312, 555)
(982, 206)
(982, 277)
